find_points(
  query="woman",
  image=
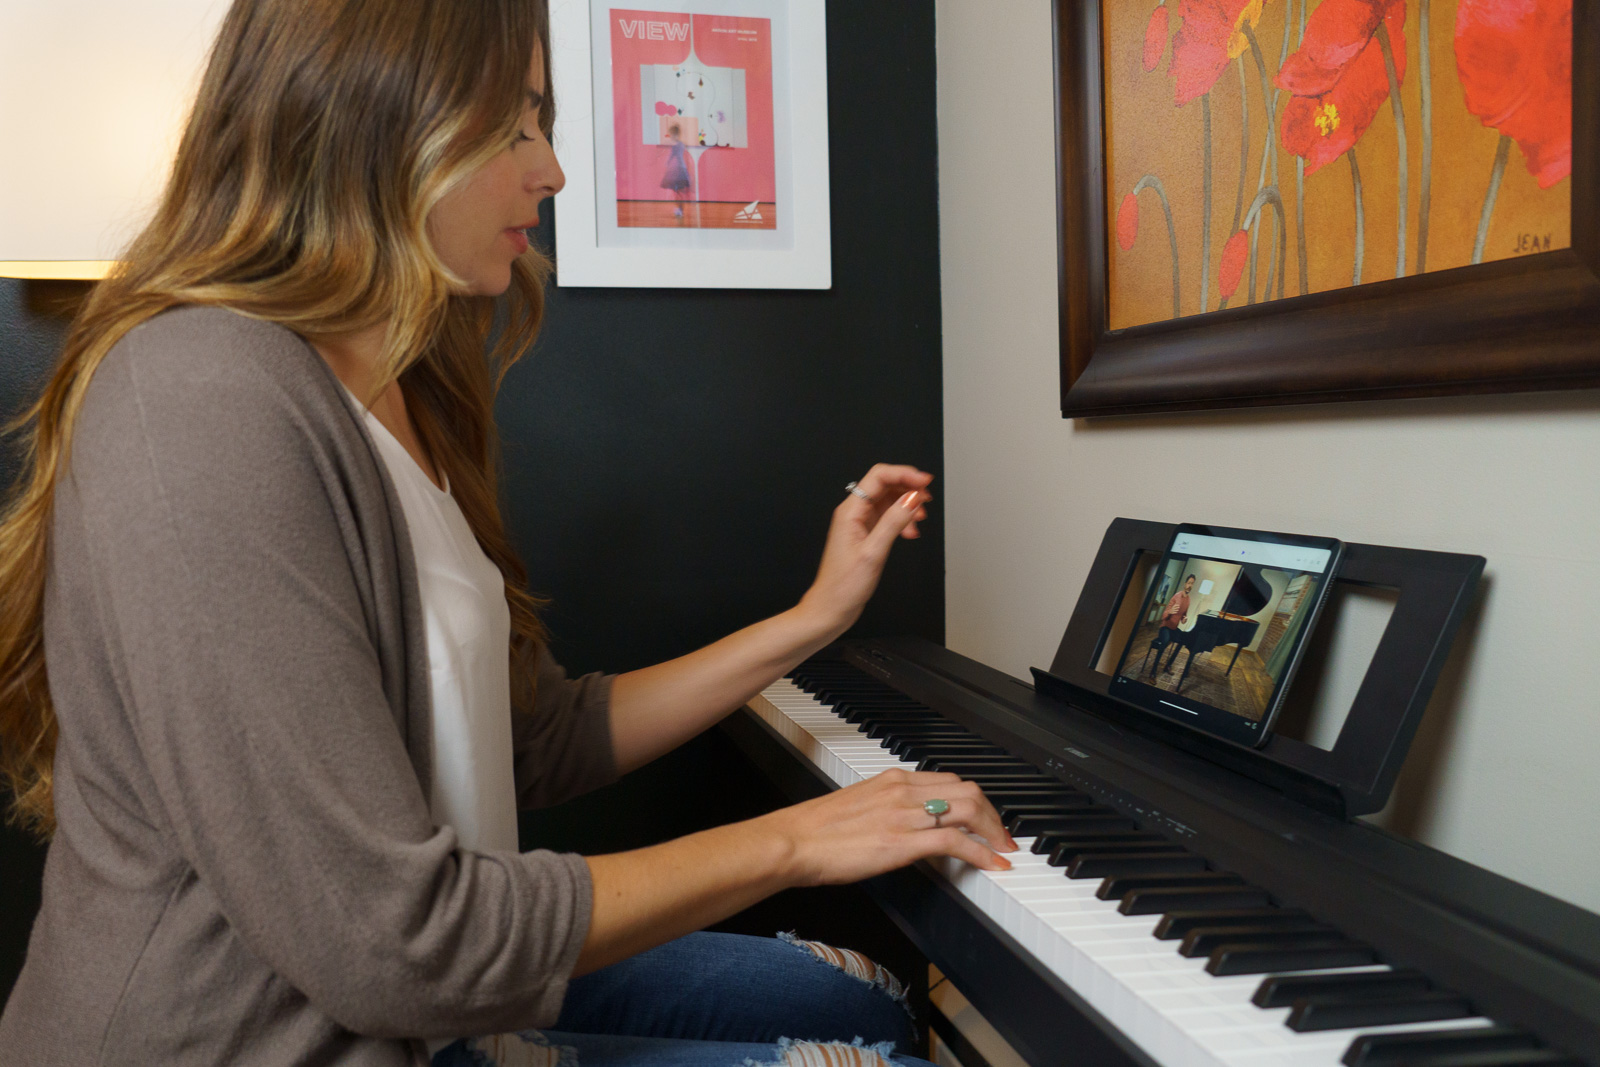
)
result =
(256, 605)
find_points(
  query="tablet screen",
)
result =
(1219, 634)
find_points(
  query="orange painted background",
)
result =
(1508, 60)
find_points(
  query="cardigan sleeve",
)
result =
(563, 744)
(206, 505)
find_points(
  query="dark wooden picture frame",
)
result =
(1512, 325)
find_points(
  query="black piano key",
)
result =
(1282, 990)
(1203, 940)
(1005, 778)
(931, 731)
(1380, 1050)
(919, 751)
(1049, 842)
(1343, 1013)
(1118, 886)
(879, 724)
(1031, 824)
(837, 694)
(969, 765)
(1159, 901)
(1068, 850)
(1537, 1057)
(1319, 955)
(1008, 804)
(1067, 798)
(1174, 925)
(1109, 864)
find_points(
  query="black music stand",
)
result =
(1354, 777)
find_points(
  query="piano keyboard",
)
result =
(1117, 929)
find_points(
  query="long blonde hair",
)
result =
(323, 133)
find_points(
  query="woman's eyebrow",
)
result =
(535, 99)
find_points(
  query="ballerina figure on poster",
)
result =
(676, 176)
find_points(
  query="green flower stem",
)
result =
(1501, 154)
(1150, 181)
(1426, 63)
(1300, 182)
(1205, 203)
(1361, 217)
(1400, 155)
(1269, 195)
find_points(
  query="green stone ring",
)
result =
(936, 808)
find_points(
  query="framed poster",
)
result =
(1293, 201)
(694, 135)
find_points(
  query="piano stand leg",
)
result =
(1185, 676)
(1236, 650)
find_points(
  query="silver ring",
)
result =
(855, 489)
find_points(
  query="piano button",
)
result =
(1311, 955)
(1380, 1050)
(1203, 940)
(1161, 900)
(1047, 843)
(1282, 990)
(1028, 824)
(1331, 1012)
(1117, 886)
(1174, 925)
(1107, 864)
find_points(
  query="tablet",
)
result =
(1220, 633)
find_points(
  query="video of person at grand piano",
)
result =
(1219, 633)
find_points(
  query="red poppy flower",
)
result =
(1212, 33)
(1128, 221)
(1234, 256)
(1155, 38)
(1338, 77)
(1515, 62)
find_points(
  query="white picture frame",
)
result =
(616, 231)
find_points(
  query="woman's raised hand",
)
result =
(880, 824)
(863, 530)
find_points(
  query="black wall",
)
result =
(673, 455)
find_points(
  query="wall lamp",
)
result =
(93, 94)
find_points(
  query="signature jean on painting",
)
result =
(1430, 94)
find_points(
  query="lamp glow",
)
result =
(93, 95)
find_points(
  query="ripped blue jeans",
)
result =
(717, 1000)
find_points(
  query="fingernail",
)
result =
(1012, 842)
(1005, 864)
(909, 501)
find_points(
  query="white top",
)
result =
(469, 641)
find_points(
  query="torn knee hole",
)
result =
(831, 1054)
(527, 1049)
(852, 963)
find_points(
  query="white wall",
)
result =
(1504, 773)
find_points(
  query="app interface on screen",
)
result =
(1221, 623)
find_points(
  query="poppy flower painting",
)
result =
(1300, 146)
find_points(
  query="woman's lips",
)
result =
(519, 240)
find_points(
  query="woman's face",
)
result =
(477, 227)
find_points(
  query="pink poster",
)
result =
(693, 120)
